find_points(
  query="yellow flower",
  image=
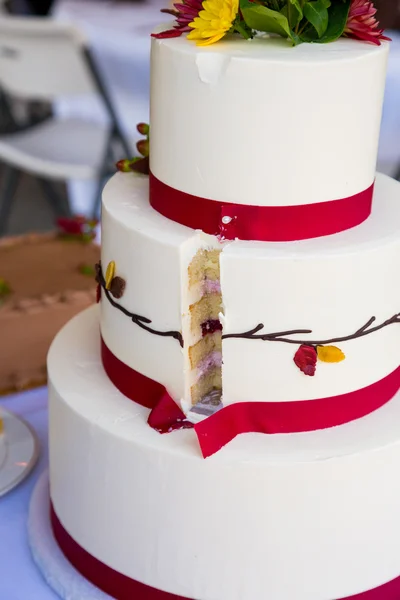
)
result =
(214, 21)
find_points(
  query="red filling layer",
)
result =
(210, 326)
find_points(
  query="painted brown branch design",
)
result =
(142, 322)
(284, 336)
(252, 334)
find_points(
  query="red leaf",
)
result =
(306, 359)
(167, 416)
(98, 293)
(171, 33)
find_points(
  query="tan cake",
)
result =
(45, 279)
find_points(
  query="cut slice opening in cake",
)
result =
(205, 328)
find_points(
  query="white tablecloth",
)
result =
(120, 38)
(19, 576)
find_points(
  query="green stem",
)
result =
(242, 30)
(302, 28)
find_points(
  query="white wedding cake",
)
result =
(225, 426)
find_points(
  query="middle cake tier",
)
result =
(250, 321)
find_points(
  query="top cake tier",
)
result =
(262, 123)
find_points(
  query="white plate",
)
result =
(19, 451)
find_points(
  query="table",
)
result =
(20, 579)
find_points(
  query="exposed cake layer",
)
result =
(301, 517)
(205, 355)
(266, 123)
(329, 288)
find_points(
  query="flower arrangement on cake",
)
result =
(299, 21)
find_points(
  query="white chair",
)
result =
(41, 60)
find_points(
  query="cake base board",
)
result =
(58, 572)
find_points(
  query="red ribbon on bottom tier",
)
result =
(247, 417)
(121, 587)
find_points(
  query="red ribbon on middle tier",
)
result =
(248, 417)
(261, 223)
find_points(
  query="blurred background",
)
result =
(85, 105)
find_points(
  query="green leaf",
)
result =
(317, 14)
(293, 12)
(262, 18)
(338, 15)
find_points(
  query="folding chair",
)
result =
(41, 60)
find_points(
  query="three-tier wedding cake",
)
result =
(225, 426)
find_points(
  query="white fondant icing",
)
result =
(259, 122)
(306, 516)
(332, 285)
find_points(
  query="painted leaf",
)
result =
(330, 354)
(110, 274)
(306, 360)
(117, 287)
(98, 293)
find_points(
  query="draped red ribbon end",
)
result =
(291, 417)
(166, 416)
(247, 417)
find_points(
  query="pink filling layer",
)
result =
(211, 287)
(214, 359)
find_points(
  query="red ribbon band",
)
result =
(248, 417)
(122, 587)
(263, 223)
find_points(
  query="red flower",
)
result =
(184, 13)
(306, 359)
(78, 227)
(362, 24)
(71, 226)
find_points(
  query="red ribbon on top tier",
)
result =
(121, 587)
(263, 223)
(247, 417)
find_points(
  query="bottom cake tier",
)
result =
(311, 516)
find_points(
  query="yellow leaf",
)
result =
(110, 274)
(330, 354)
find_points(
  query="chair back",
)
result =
(41, 59)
